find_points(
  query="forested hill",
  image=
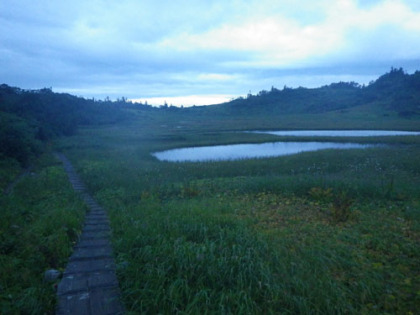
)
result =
(395, 91)
(30, 118)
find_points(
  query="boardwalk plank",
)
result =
(89, 285)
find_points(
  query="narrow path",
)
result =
(89, 284)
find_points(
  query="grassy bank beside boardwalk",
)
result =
(40, 222)
(315, 233)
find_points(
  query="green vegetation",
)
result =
(40, 223)
(394, 91)
(322, 232)
(29, 119)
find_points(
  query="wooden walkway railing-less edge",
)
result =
(89, 284)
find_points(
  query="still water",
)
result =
(247, 151)
(340, 133)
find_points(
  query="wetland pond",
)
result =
(272, 149)
(339, 133)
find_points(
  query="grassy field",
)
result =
(315, 233)
(40, 222)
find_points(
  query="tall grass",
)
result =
(40, 222)
(256, 236)
(9, 170)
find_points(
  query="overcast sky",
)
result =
(202, 51)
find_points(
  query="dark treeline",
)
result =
(31, 118)
(396, 90)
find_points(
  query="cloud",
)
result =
(275, 40)
(387, 28)
(149, 48)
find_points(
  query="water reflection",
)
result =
(246, 151)
(339, 133)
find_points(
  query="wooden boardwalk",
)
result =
(89, 284)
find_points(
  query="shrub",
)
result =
(341, 207)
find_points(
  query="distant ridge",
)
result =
(395, 91)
